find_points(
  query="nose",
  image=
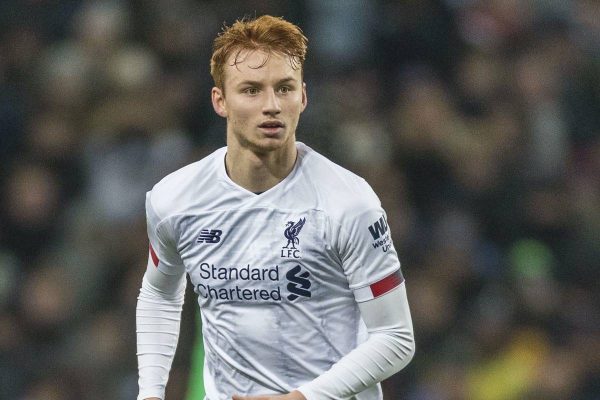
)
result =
(271, 105)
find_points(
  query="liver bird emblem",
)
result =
(292, 231)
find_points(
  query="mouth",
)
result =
(272, 124)
(271, 127)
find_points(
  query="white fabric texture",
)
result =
(276, 276)
(390, 348)
(158, 315)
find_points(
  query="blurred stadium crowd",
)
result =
(477, 122)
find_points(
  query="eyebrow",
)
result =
(257, 83)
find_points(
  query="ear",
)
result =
(218, 102)
(304, 98)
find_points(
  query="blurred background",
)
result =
(477, 123)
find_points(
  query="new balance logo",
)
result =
(209, 236)
(299, 283)
(378, 228)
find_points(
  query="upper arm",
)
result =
(366, 250)
(388, 312)
(163, 245)
(166, 286)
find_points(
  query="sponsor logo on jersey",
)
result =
(209, 236)
(380, 233)
(291, 233)
(299, 283)
(250, 283)
(378, 228)
(226, 283)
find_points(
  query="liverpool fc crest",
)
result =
(291, 233)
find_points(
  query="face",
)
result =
(262, 104)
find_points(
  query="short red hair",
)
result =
(266, 33)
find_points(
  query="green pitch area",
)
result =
(196, 381)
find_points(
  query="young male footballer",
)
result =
(298, 281)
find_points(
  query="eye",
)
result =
(284, 89)
(252, 91)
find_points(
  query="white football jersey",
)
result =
(278, 274)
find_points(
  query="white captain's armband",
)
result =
(379, 288)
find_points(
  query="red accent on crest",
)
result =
(155, 259)
(386, 284)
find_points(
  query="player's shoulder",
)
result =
(185, 185)
(339, 190)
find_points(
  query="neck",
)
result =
(259, 172)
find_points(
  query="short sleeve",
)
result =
(367, 251)
(163, 248)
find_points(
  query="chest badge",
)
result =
(291, 233)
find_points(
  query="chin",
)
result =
(261, 144)
(269, 144)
